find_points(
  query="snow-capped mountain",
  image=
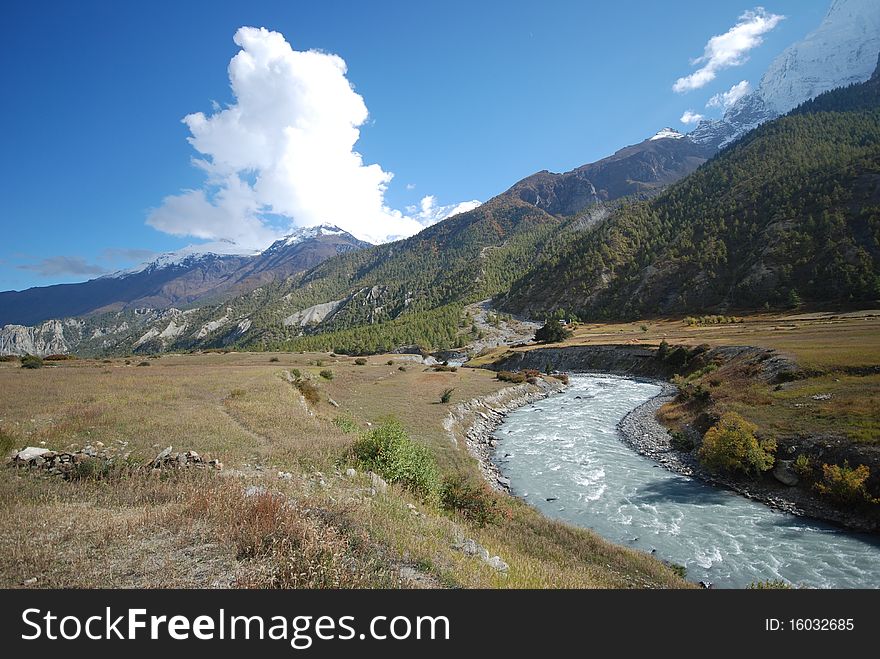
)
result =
(666, 133)
(303, 234)
(841, 51)
(189, 276)
(188, 256)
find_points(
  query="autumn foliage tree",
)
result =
(732, 446)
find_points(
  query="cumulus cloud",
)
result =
(430, 212)
(724, 100)
(282, 155)
(691, 117)
(729, 49)
(63, 265)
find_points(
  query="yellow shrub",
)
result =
(845, 484)
(731, 445)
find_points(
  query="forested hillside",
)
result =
(787, 216)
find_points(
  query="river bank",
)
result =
(474, 422)
(641, 431)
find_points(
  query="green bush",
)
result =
(296, 373)
(445, 367)
(388, 450)
(731, 445)
(31, 361)
(446, 396)
(346, 423)
(327, 374)
(803, 466)
(511, 376)
(771, 584)
(273, 359)
(844, 484)
(553, 331)
(663, 350)
(309, 390)
(390, 362)
(473, 501)
(401, 368)
(360, 361)
(681, 442)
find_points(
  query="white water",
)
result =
(569, 450)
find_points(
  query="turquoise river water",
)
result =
(564, 455)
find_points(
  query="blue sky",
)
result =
(463, 101)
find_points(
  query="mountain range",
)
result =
(786, 213)
(182, 278)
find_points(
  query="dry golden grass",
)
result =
(315, 529)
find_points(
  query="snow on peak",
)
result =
(303, 234)
(666, 133)
(187, 256)
(307, 233)
(841, 51)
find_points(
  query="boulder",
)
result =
(784, 473)
(377, 482)
(164, 453)
(497, 564)
(30, 453)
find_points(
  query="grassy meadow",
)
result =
(309, 525)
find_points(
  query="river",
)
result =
(564, 455)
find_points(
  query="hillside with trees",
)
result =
(787, 216)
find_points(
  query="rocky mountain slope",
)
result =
(840, 52)
(179, 279)
(641, 169)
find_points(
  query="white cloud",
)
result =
(282, 155)
(410, 186)
(691, 117)
(429, 212)
(729, 49)
(724, 100)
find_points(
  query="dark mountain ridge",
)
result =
(638, 170)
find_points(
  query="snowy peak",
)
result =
(841, 51)
(304, 234)
(309, 233)
(666, 133)
(188, 257)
